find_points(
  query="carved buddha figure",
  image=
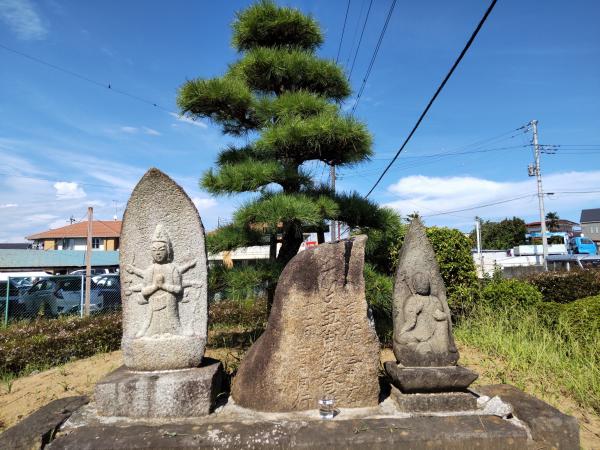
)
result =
(161, 288)
(426, 326)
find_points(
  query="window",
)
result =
(96, 243)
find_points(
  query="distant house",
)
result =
(565, 226)
(105, 236)
(590, 224)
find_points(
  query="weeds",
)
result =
(551, 359)
(7, 380)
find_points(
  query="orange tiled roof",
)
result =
(100, 228)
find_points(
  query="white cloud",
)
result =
(135, 130)
(130, 130)
(204, 203)
(431, 196)
(23, 19)
(185, 119)
(9, 205)
(150, 131)
(68, 190)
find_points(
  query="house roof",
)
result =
(590, 215)
(42, 259)
(100, 228)
(15, 246)
(560, 221)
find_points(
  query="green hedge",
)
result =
(378, 290)
(581, 318)
(565, 287)
(511, 293)
(26, 346)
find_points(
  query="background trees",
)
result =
(280, 93)
(502, 235)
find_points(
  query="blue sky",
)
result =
(66, 143)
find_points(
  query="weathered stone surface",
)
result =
(430, 379)
(163, 277)
(37, 430)
(549, 427)
(434, 402)
(319, 339)
(422, 323)
(437, 433)
(178, 393)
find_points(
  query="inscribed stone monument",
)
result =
(423, 343)
(319, 340)
(164, 294)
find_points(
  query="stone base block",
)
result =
(439, 402)
(163, 352)
(430, 379)
(160, 394)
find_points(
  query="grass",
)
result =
(551, 359)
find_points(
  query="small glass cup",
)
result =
(327, 407)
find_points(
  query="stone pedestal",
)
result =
(430, 379)
(160, 394)
(434, 402)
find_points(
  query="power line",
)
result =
(480, 206)
(360, 39)
(343, 30)
(362, 6)
(373, 57)
(437, 92)
(84, 78)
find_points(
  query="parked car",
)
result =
(13, 300)
(109, 290)
(58, 295)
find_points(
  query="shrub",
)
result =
(463, 299)
(248, 312)
(565, 287)
(453, 253)
(512, 293)
(581, 318)
(44, 343)
(378, 290)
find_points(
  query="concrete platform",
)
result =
(532, 425)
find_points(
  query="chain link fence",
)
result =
(24, 298)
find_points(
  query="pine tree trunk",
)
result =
(291, 241)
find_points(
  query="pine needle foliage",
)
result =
(280, 93)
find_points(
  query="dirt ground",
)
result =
(26, 394)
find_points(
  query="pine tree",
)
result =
(288, 97)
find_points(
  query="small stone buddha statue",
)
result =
(427, 327)
(161, 288)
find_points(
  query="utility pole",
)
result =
(88, 262)
(478, 234)
(332, 178)
(538, 173)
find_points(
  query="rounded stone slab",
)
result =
(163, 269)
(319, 340)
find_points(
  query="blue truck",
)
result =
(582, 245)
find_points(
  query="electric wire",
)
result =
(360, 39)
(343, 30)
(85, 78)
(373, 57)
(435, 95)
